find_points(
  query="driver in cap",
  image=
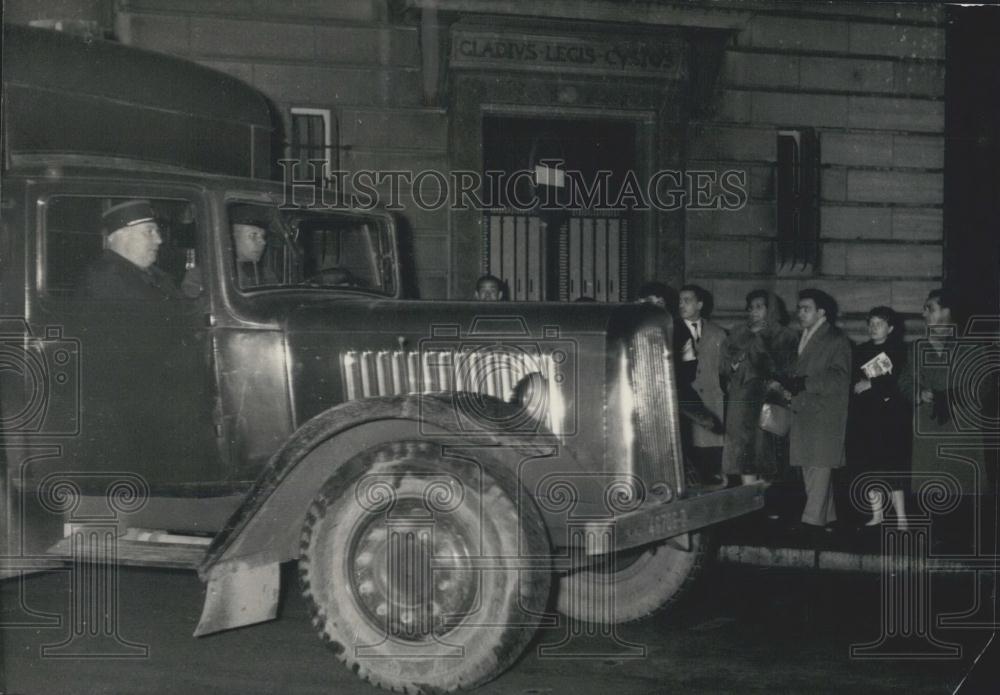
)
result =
(126, 267)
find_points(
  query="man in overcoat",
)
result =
(819, 390)
(704, 346)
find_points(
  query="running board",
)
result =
(137, 548)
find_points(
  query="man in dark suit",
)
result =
(698, 416)
(662, 295)
(819, 390)
(125, 269)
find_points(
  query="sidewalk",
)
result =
(941, 545)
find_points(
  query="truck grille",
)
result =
(658, 453)
(495, 371)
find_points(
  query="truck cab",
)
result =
(437, 469)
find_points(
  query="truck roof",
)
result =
(68, 166)
(67, 94)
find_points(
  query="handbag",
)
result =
(775, 419)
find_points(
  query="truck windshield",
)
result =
(274, 248)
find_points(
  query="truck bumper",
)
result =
(657, 521)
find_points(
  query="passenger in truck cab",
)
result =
(249, 243)
(489, 288)
(126, 267)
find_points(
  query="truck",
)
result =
(446, 475)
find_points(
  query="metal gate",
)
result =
(591, 249)
(515, 253)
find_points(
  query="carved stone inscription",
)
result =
(520, 51)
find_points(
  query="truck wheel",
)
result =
(638, 583)
(368, 542)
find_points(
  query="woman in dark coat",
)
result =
(880, 422)
(752, 357)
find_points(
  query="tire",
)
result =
(642, 582)
(378, 517)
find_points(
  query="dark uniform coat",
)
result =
(114, 277)
(819, 411)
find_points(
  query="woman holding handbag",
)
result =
(880, 422)
(753, 356)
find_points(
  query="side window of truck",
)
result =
(295, 248)
(153, 249)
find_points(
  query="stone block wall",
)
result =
(870, 80)
(868, 77)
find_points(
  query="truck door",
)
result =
(145, 388)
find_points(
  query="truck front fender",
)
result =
(241, 565)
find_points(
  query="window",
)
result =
(797, 187)
(75, 239)
(310, 249)
(313, 136)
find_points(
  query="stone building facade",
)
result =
(642, 86)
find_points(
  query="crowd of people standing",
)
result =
(800, 396)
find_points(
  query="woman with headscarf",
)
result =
(753, 357)
(880, 421)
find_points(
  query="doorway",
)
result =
(554, 232)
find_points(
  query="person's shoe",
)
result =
(875, 521)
